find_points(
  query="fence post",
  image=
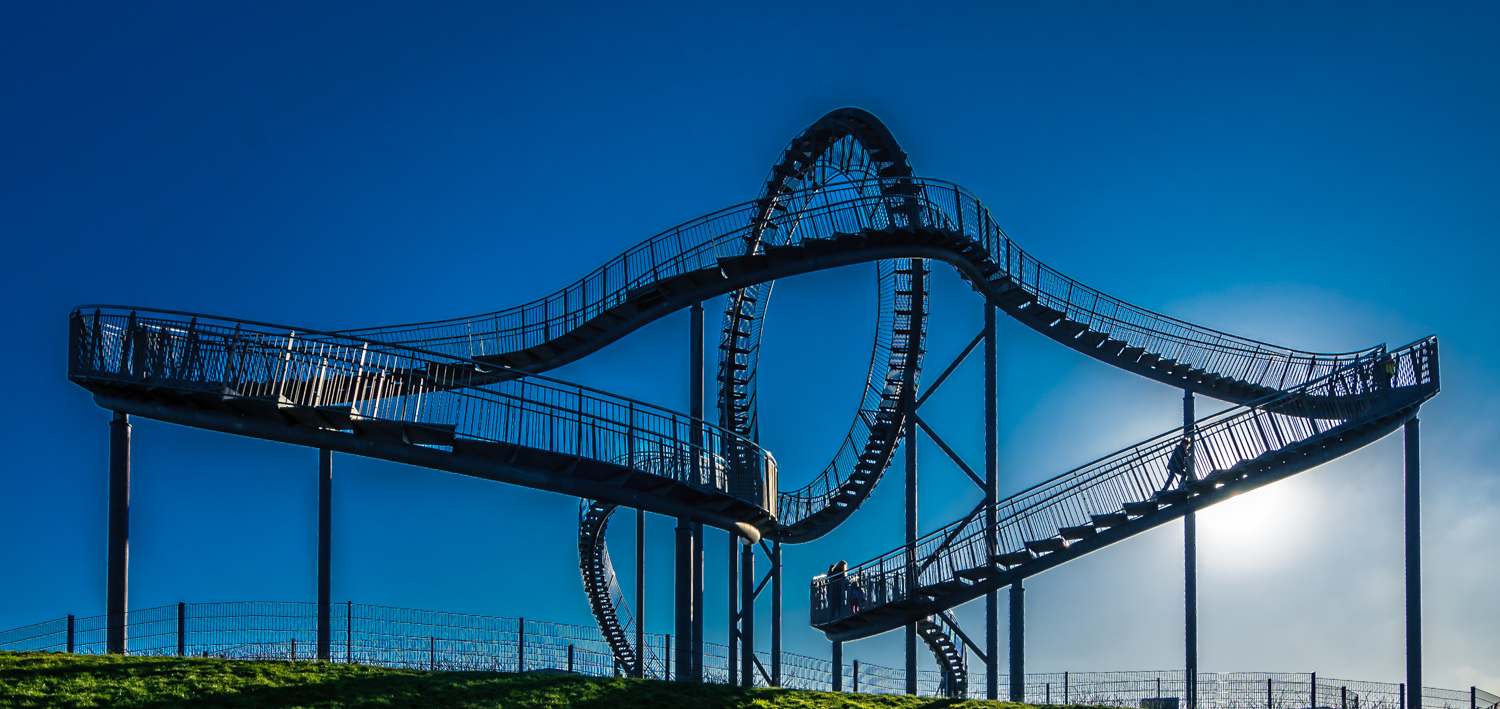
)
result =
(667, 663)
(1065, 689)
(1344, 697)
(1401, 698)
(521, 646)
(294, 648)
(1268, 693)
(856, 676)
(70, 634)
(1047, 695)
(181, 629)
(348, 632)
(1312, 690)
(570, 657)
(1473, 695)
(431, 653)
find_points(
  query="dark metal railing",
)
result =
(1333, 404)
(338, 382)
(700, 243)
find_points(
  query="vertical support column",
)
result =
(747, 615)
(991, 494)
(325, 554)
(181, 629)
(775, 614)
(734, 612)
(911, 526)
(119, 532)
(838, 666)
(683, 578)
(697, 649)
(640, 596)
(1190, 569)
(1017, 642)
(1413, 565)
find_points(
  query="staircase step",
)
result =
(1044, 546)
(1107, 521)
(1092, 338)
(1082, 531)
(1069, 328)
(1140, 509)
(1015, 558)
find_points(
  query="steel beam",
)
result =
(838, 666)
(118, 570)
(775, 614)
(1190, 568)
(325, 554)
(734, 613)
(683, 578)
(697, 648)
(747, 616)
(1413, 565)
(694, 645)
(1017, 642)
(640, 593)
(911, 523)
(991, 494)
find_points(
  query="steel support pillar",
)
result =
(683, 580)
(697, 649)
(911, 531)
(1413, 566)
(734, 612)
(838, 666)
(991, 490)
(118, 570)
(747, 616)
(1190, 569)
(640, 593)
(325, 554)
(1017, 642)
(775, 614)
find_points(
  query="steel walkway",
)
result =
(467, 395)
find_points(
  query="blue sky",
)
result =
(1323, 176)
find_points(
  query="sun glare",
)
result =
(1252, 530)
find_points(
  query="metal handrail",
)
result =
(345, 378)
(1332, 404)
(700, 243)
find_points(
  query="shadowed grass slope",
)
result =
(58, 680)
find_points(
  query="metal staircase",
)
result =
(948, 650)
(606, 599)
(464, 395)
(1131, 491)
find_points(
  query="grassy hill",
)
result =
(36, 679)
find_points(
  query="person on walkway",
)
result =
(837, 585)
(1387, 371)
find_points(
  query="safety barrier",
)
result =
(419, 639)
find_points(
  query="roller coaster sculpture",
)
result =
(468, 395)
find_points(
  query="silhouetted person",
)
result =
(837, 584)
(1387, 371)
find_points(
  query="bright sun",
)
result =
(1247, 532)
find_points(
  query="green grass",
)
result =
(37, 679)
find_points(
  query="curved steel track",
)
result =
(466, 395)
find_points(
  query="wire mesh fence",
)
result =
(419, 639)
